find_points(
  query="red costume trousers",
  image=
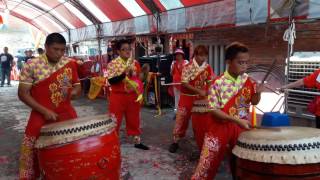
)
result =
(201, 122)
(123, 104)
(183, 115)
(214, 148)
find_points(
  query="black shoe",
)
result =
(141, 146)
(1, 86)
(173, 147)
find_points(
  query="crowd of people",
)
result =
(10, 66)
(225, 99)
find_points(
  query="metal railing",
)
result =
(298, 99)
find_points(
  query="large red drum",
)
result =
(84, 148)
(284, 153)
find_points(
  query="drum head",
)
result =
(72, 130)
(285, 145)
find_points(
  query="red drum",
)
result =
(284, 153)
(85, 148)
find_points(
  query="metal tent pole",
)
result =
(288, 55)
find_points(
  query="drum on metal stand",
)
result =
(279, 154)
(84, 148)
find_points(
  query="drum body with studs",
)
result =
(83, 148)
(281, 153)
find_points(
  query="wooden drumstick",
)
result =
(171, 84)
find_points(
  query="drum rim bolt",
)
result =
(103, 163)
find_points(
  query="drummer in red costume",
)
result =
(47, 85)
(311, 81)
(230, 97)
(195, 78)
(126, 91)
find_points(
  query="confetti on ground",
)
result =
(4, 160)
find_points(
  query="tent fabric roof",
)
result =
(61, 15)
(123, 17)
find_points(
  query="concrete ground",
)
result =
(155, 164)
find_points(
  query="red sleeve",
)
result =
(75, 77)
(138, 70)
(253, 87)
(310, 81)
(211, 73)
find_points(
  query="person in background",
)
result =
(25, 59)
(14, 75)
(311, 81)
(95, 68)
(40, 51)
(20, 62)
(29, 55)
(85, 74)
(195, 79)
(6, 60)
(144, 76)
(176, 71)
(110, 54)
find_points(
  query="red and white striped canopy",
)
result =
(61, 15)
(127, 17)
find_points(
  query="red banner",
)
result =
(182, 36)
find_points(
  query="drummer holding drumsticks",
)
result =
(47, 85)
(230, 97)
(311, 81)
